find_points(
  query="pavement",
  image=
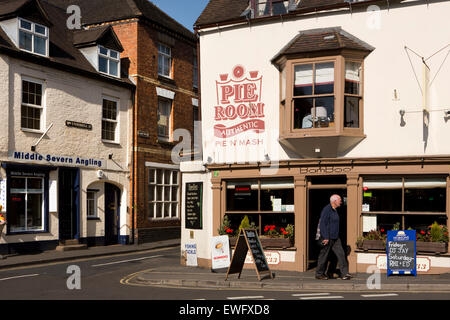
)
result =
(177, 275)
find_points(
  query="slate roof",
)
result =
(63, 54)
(323, 39)
(224, 11)
(99, 11)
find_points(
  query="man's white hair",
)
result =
(334, 197)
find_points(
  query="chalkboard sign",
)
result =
(248, 240)
(401, 252)
(193, 205)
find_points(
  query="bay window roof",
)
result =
(322, 40)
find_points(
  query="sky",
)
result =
(185, 12)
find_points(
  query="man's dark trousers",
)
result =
(336, 246)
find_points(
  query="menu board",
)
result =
(248, 240)
(401, 252)
(193, 205)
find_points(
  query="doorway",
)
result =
(112, 206)
(318, 198)
(69, 203)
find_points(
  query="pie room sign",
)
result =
(239, 114)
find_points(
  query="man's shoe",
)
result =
(322, 277)
(347, 277)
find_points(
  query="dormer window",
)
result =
(33, 37)
(108, 61)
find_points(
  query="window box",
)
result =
(372, 245)
(269, 243)
(431, 247)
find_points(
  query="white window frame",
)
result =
(108, 58)
(165, 56)
(169, 125)
(172, 187)
(33, 34)
(94, 200)
(41, 107)
(27, 192)
(116, 122)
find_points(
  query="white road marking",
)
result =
(309, 294)
(379, 295)
(124, 261)
(244, 298)
(327, 297)
(18, 277)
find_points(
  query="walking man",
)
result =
(329, 240)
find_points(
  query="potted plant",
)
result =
(226, 229)
(373, 240)
(2, 220)
(434, 239)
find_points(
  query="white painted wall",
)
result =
(67, 97)
(423, 28)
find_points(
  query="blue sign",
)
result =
(401, 252)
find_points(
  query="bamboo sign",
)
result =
(248, 240)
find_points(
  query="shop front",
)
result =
(378, 195)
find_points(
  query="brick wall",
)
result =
(140, 41)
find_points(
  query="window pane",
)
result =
(30, 118)
(324, 78)
(159, 176)
(174, 209)
(103, 51)
(109, 110)
(167, 176)
(113, 54)
(113, 68)
(159, 193)
(166, 210)
(34, 211)
(151, 193)
(164, 113)
(174, 177)
(174, 194)
(25, 25)
(34, 184)
(108, 130)
(351, 116)
(151, 210)
(386, 222)
(278, 220)
(16, 183)
(40, 45)
(383, 199)
(303, 113)
(235, 220)
(25, 41)
(16, 212)
(40, 29)
(166, 193)
(103, 64)
(352, 77)
(277, 195)
(158, 210)
(324, 112)
(427, 200)
(242, 196)
(151, 176)
(422, 222)
(303, 80)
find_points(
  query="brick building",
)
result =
(160, 58)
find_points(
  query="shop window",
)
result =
(26, 204)
(32, 105)
(404, 202)
(163, 193)
(264, 201)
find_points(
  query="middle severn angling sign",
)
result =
(75, 161)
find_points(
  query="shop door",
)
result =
(317, 200)
(69, 203)
(112, 205)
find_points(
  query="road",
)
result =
(100, 279)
